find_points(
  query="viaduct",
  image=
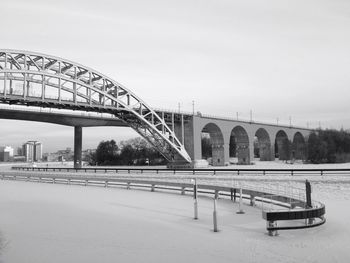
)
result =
(47, 82)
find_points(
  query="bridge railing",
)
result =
(244, 120)
(198, 171)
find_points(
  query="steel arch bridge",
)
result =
(34, 79)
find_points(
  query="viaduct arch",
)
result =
(247, 138)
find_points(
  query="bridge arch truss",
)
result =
(34, 79)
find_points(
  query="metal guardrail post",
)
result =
(195, 204)
(240, 209)
(215, 214)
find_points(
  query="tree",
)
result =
(286, 149)
(232, 150)
(135, 151)
(206, 148)
(138, 151)
(127, 155)
(316, 149)
(106, 153)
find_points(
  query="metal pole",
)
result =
(215, 219)
(182, 130)
(195, 199)
(240, 210)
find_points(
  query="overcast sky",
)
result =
(277, 58)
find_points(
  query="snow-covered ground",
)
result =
(70, 223)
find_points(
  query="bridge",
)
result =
(58, 88)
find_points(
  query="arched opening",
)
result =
(262, 145)
(213, 145)
(239, 146)
(298, 147)
(282, 146)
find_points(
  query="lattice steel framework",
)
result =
(35, 79)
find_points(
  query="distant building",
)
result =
(65, 155)
(60, 156)
(6, 154)
(33, 151)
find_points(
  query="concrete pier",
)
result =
(78, 141)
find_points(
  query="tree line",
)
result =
(135, 151)
(329, 146)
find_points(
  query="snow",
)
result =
(69, 223)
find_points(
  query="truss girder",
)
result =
(30, 78)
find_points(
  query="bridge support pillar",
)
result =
(78, 141)
(226, 154)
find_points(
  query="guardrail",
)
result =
(294, 205)
(252, 171)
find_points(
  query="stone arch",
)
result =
(262, 145)
(298, 147)
(214, 136)
(239, 145)
(282, 146)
